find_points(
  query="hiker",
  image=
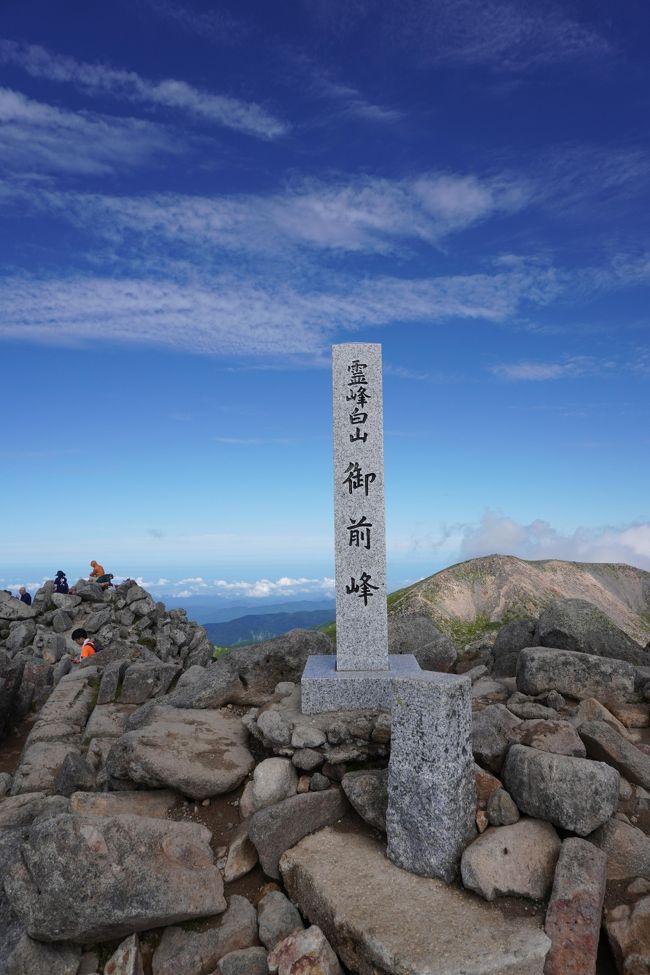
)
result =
(88, 646)
(61, 583)
(24, 596)
(105, 581)
(96, 570)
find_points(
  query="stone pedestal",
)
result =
(324, 688)
(431, 794)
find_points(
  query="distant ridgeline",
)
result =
(255, 628)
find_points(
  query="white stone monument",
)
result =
(359, 676)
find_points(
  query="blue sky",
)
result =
(198, 199)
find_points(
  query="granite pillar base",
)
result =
(431, 793)
(324, 688)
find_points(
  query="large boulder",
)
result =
(201, 754)
(604, 744)
(417, 634)
(367, 792)
(493, 731)
(572, 793)
(627, 849)
(13, 609)
(510, 641)
(380, 918)
(277, 918)
(30, 957)
(576, 674)
(517, 860)
(88, 879)
(276, 828)
(249, 675)
(182, 952)
(575, 624)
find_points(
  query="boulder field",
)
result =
(174, 815)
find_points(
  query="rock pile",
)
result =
(103, 852)
(127, 623)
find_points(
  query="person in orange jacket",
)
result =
(97, 570)
(88, 646)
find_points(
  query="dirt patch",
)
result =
(11, 747)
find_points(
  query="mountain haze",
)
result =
(478, 594)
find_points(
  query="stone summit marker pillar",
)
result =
(360, 674)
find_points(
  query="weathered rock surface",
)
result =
(275, 829)
(199, 952)
(627, 849)
(147, 680)
(572, 793)
(61, 883)
(382, 919)
(246, 961)
(127, 960)
(201, 754)
(514, 860)
(604, 744)
(501, 809)
(628, 930)
(492, 735)
(575, 909)
(558, 737)
(25, 809)
(30, 957)
(249, 675)
(75, 775)
(575, 624)
(277, 918)
(579, 675)
(367, 791)
(156, 804)
(304, 951)
(510, 641)
(242, 855)
(528, 709)
(274, 779)
(417, 634)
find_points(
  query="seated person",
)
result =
(61, 583)
(96, 570)
(105, 581)
(24, 596)
(88, 646)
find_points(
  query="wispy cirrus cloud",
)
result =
(36, 137)
(239, 317)
(542, 371)
(213, 25)
(170, 93)
(365, 215)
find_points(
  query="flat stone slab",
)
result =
(381, 918)
(108, 721)
(155, 804)
(324, 688)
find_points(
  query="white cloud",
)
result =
(541, 371)
(39, 137)
(216, 25)
(231, 316)
(129, 86)
(365, 215)
(285, 586)
(500, 534)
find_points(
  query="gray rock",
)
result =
(183, 952)
(510, 640)
(575, 624)
(246, 961)
(417, 634)
(307, 736)
(11, 677)
(383, 919)
(242, 855)
(318, 782)
(33, 958)
(275, 728)
(75, 775)
(155, 804)
(367, 792)
(277, 918)
(517, 860)
(307, 759)
(60, 883)
(501, 809)
(39, 766)
(29, 808)
(604, 744)
(304, 951)
(627, 849)
(111, 677)
(572, 793)
(579, 675)
(559, 737)
(628, 930)
(5, 784)
(65, 601)
(274, 779)
(21, 635)
(127, 960)
(98, 619)
(249, 675)
(492, 735)
(275, 829)
(108, 721)
(527, 709)
(199, 753)
(13, 609)
(146, 680)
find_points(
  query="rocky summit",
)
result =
(164, 813)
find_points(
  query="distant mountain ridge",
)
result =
(481, 593)
(253, 628)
